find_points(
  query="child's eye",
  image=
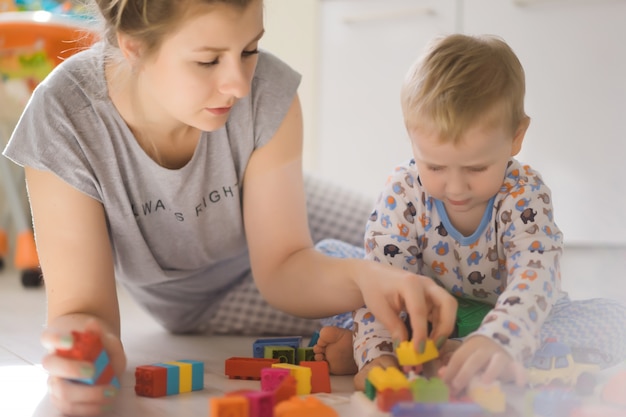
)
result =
(477, 169)
(208, 64)
(435, 168)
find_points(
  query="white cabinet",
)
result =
(575, 61)
(366, 47)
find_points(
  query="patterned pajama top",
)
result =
(511, 261)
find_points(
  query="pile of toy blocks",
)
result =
(287, 373)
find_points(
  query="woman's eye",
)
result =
(249, 53)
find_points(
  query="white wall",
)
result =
(291, 33)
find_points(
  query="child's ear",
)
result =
(520, 132)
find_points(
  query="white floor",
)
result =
(587, 273)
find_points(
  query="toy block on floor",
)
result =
(285, 390)
(302, 375)
(408, 356)
(151, 381)
(88, 347)
(284, 354)
(387, 398)
(320, 376)
(261, 403)
(304, 354)
(258, 347)
(246, 368)
(432, 390)
(169, 378)
(229, 406)
(410, 409)
(304, 407)
(271, 378)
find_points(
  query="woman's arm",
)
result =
(77, 265)
(296, 278)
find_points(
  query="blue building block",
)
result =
(258, 347)
(173, 378)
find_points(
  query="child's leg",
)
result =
(595, 328)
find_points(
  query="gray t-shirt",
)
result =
(177, 235)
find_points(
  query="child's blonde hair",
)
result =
(458, 80)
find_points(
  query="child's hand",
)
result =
(72, 398)
(480, 355)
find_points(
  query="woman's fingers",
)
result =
(76, 399)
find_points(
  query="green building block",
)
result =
(432, 390)
(470, 315)
(305, 354)
(284, 354)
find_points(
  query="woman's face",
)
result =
(201, 70)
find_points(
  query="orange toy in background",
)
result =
(31, 45)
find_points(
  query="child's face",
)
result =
(464, 176)
(201, 70)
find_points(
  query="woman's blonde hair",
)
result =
(148, 21)
(459, 79)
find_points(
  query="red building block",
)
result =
(151, 381)
(285, 390)
(387, 398)
(86, 347)
(320, 375)
(246, 368)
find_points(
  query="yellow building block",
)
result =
(302, 374)
(390, 377)
(408, 356)
(184, 382)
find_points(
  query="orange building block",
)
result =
(387, 398)
(247, 368)
(229, 406)
(320, 375)
(304, 407)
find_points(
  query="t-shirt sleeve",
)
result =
(274, 88)
(46, 139)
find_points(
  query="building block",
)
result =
(258, 347)
(388, 397)
(261, 403)
(229, 406)
(285, 390)
(391, 378)
(314, 338)
(197, 374)
(284, 354)
(488, 396)
(408, 356)
(370, 390)
(320, 376)
(88, 347)
(271, 378)
(432, 390)
(151, 381)
(302, 375)
(304, 407)
(411, 409)
(246, 368)
(304, 354)
(169, 378)
(469, 316)
(173, 378)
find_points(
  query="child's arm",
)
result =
(76, 261)
(289, 272)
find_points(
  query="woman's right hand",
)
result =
(74, 398)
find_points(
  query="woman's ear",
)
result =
(520, 132)
(130, 47)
